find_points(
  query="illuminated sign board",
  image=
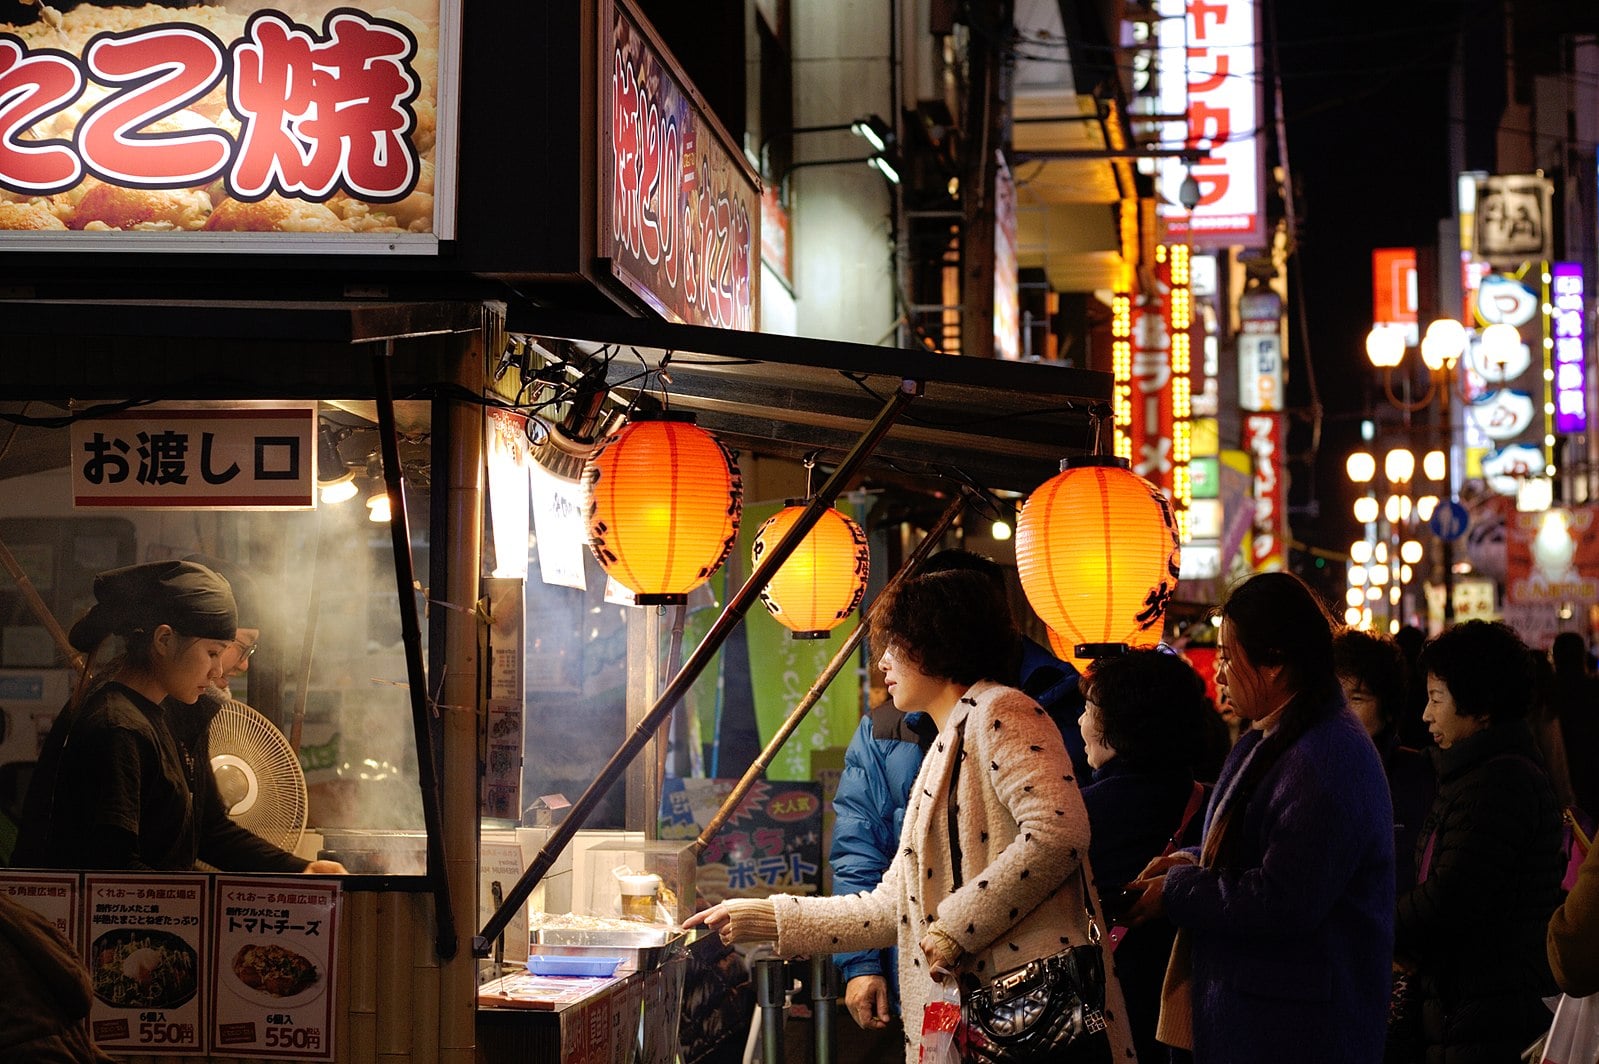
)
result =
(1207, 62)
(1394, 290)
(140, 128)
(680, 216)
(1155, 381)
(191, 458)
(1570, 365)
(1263, 435)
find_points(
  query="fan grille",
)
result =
(256, 768)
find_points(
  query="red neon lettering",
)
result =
(1206, 123)
(1200, 12)
(318, 115)
(33, 87)
(1207, 83)
(625, 205)
(164, 69)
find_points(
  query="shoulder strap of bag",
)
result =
(1082, 865)
(1196, 800)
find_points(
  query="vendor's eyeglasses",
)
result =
(246, 652)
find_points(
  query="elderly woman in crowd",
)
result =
(1488, 863)
(1285, 910)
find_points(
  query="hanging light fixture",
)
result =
(662, 499)
(822, 582)
(335, 481)
(378, 510)
(1097, 550)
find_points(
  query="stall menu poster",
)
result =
(145, 937)
(52, 895)
(273, 972)
(772, 844)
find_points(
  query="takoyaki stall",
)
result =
(397, 657)
(336, 299)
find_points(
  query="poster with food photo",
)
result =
(272, 976)
(144, 938)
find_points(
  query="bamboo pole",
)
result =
(797, 715)
(732, 614)
(394, 983)
(40, 610)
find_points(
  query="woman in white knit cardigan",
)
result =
(1022, 829)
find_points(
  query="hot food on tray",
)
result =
(274, 970)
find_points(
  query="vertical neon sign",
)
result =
(1566, 328)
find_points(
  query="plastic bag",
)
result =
(1574, 1034)
(941, 1021)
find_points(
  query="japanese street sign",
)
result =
(172, 457)
(1449, 520)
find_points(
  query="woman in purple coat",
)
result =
(1285, 910)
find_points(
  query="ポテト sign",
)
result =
(240, 457)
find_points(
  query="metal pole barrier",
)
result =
(812, 696)
(824, 991)
(732, 614)
(770, 996)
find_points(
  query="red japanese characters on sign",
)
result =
(1208, 69)
(681, 219)
(318, 112)
(325, 130)
(1264, 434)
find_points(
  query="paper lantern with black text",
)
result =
(1097, 551)
(662, 499)
(822, 582)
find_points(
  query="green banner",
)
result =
(782, 670)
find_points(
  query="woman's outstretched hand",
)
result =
(739, 920)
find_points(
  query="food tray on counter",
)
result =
(642, 949)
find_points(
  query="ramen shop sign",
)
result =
(192, 458)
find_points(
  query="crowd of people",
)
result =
(1376, 870)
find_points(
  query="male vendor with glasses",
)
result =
(249, 850)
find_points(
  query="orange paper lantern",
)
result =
(823, 581)
(662, 499)
(1097, 551)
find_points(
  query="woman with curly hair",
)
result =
(1488, 863)
(987, 875)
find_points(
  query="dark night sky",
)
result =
(1365, 89)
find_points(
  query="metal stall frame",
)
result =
(995, 425)
(406, 992)
(978, 423)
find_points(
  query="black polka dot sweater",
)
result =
(1022, 833)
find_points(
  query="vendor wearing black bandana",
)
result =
(114, 789)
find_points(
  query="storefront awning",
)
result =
(1000, 425)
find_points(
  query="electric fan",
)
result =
(258, 777)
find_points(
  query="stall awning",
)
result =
(1001, 425)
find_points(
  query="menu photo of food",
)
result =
(275, 975)
(145, 945)
(143, 969)
(272, 971)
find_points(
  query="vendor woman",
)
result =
(114, 788)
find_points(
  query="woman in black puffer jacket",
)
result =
(1488, 862)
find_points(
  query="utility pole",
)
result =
(986, 123)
